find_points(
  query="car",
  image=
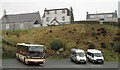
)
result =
(95, 56)
(78, 56)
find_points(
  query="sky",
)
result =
(80, 7)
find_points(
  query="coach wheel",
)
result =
(25, 61)
(17, 56)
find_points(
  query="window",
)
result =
(63, 18)
(47, 19)
(55, 11)
(7, 26)
(21, 26)
(63, 11)
(109, 16)
(47, 12)
(92, 16)
(97, 54)
(101, 17)
(55, 18)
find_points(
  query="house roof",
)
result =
(55, 21)
(102, 13)
(56, 9)
(20, 18)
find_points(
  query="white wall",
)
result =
(107, 17)
(119, 9)
(59, 16)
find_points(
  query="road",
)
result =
(56, 63)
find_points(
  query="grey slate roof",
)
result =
(20, 18)
(56, 9)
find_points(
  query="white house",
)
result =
(119, 9)
(57, 16)
(111, 17)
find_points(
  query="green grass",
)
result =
(68, 34)
(8, 55)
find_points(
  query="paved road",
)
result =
(56, 63)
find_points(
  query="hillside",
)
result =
(72, 35)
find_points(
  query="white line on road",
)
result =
(96, 65)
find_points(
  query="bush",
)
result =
(117, 47)
(56, 45)
(94, 34)
(103, 45)
(91, 46)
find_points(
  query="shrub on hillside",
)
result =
(91, 46)
(50, 31)
(56, 45)
(117, 47)
(103, 45)
(94, 34)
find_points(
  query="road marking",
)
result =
(78, 65)
(96, 65)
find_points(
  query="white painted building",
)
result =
(119, 9)
(106, 17)
(57, 16)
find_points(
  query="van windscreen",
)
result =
(97, 54)
(81, 54)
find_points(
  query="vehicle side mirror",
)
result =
(92, 56)
(45, 51)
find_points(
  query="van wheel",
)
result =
(71, 59)
(93, 62)
(88, 60)
(102, 62)
(76, 62)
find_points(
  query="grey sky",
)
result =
(80, 7)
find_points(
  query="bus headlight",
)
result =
(28, 57)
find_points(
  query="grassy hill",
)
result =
(72, 35)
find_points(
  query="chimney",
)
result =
(87, 13)
(115, 11)
(45, 9)
(4, 12)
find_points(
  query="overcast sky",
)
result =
(80, 7)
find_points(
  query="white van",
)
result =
(95, 56)
(78, 56)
